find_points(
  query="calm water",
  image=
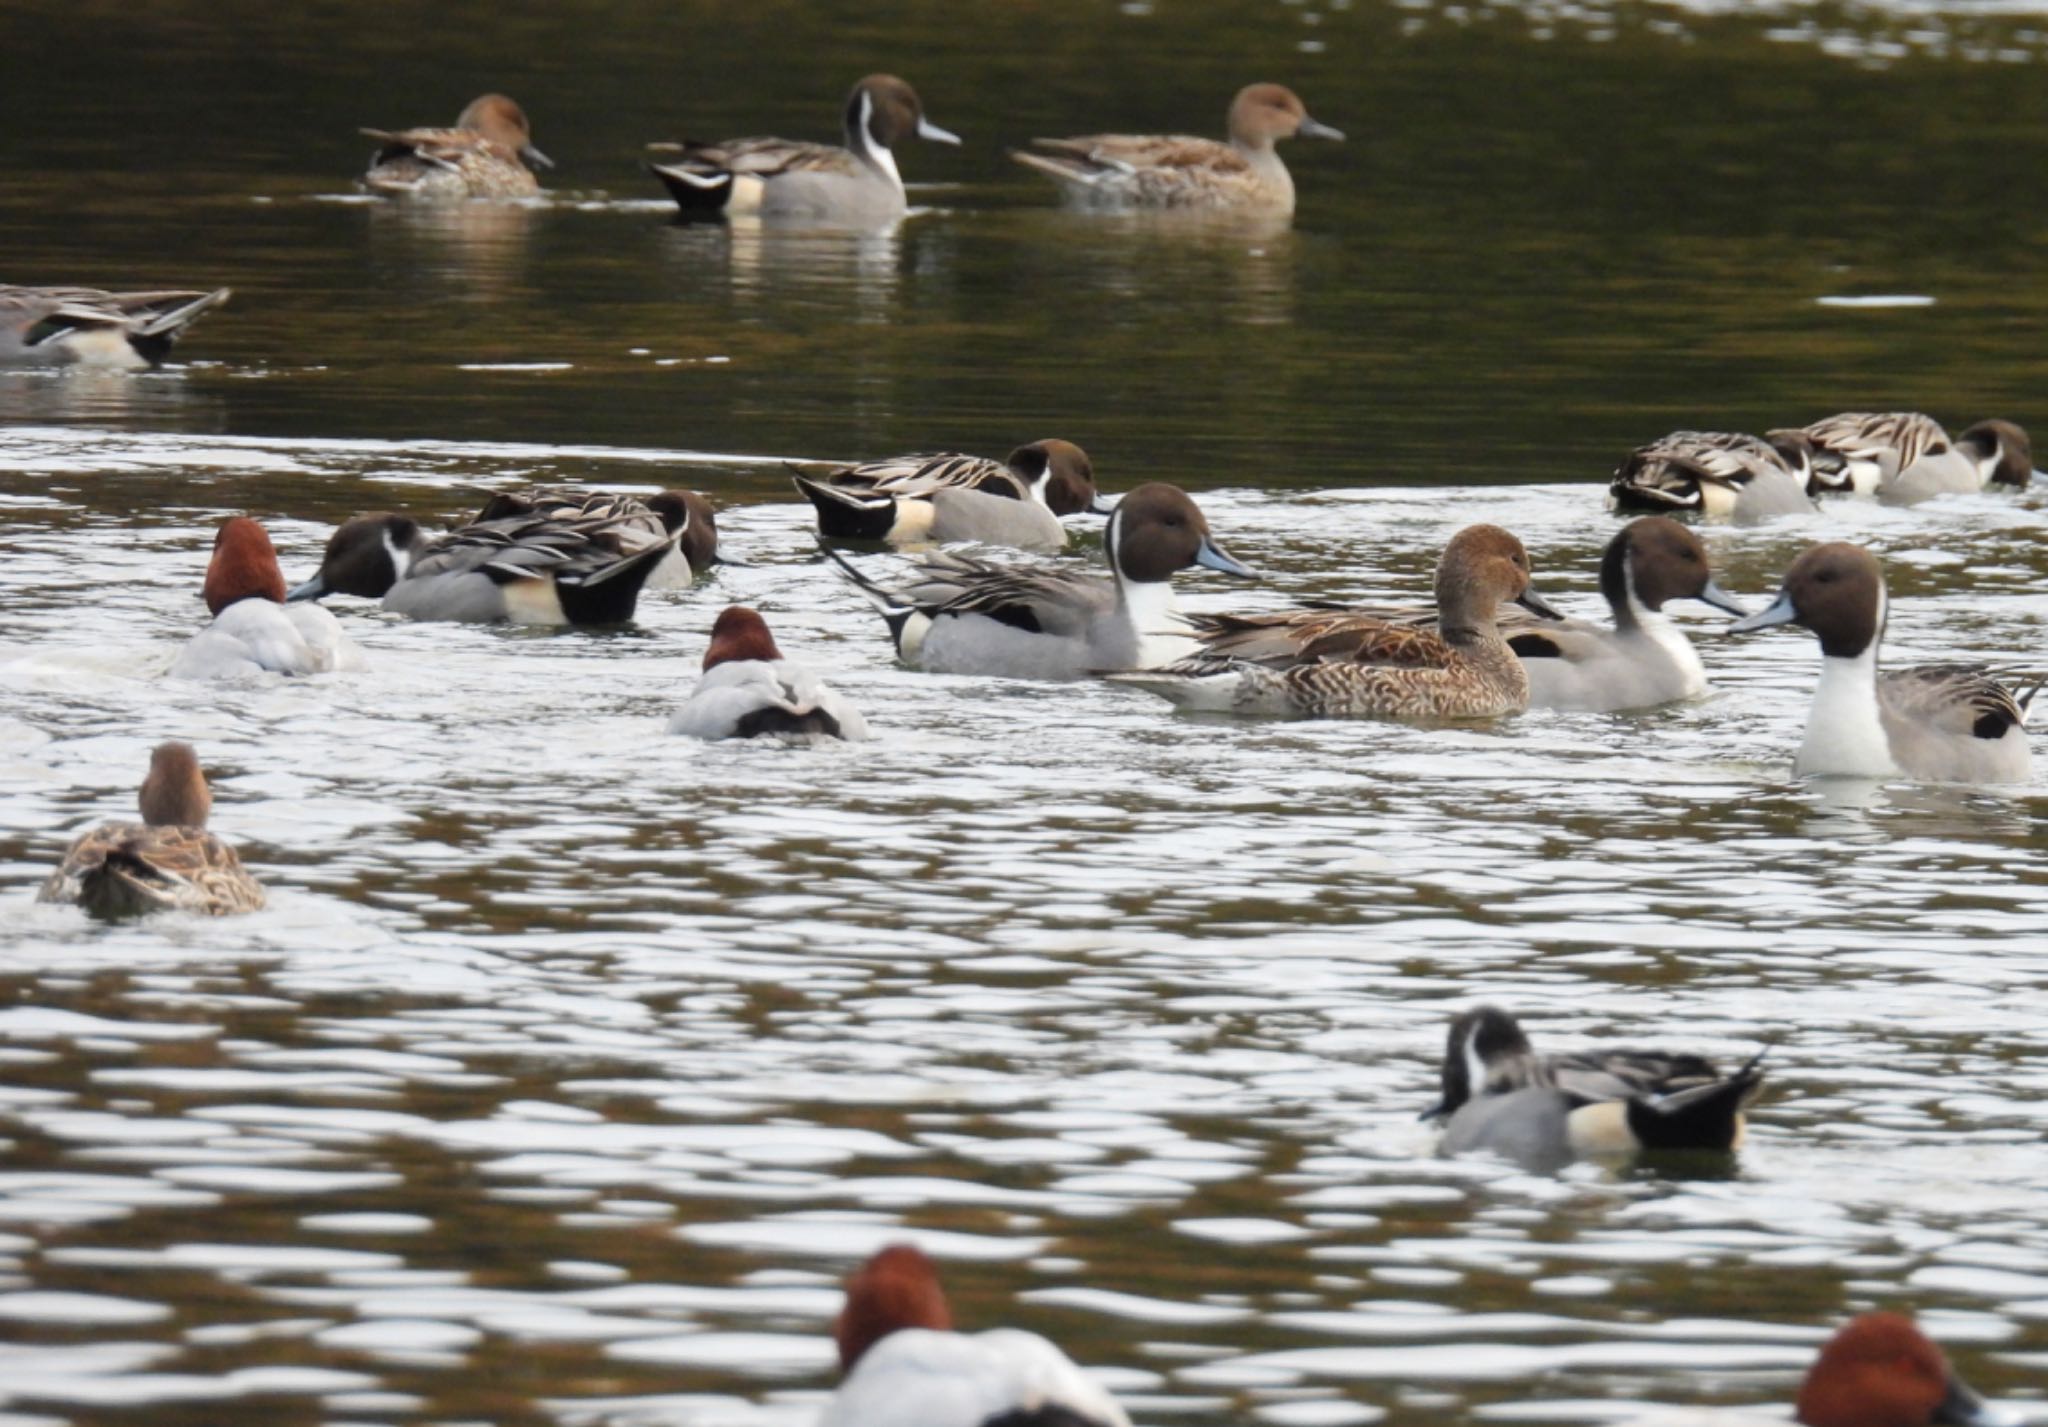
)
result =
(572, 1064)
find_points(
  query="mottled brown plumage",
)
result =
(167, 862)
(489, 153)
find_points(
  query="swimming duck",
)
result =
(1722, 475)
(1903, 457)
(527, 568)
(950, 497)
(1177, 171)
(55, 326)
(637, 519)
(904, 1366)
(1337, 664)
(1542, 1111)
(1949, 723)
(786, 178)
(966, 616)
(1879, 1370)
(749, 689)
(488, 154)
(253, 629)
(167, 862)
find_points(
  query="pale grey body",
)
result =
(59, 326)
(256, 636)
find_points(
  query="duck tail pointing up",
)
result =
(1704, 1117)
(611, 594)
(848, 515)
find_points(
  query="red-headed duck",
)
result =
(253, 630)
(750, 690)
(904, 1365)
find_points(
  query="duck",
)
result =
(1338, 664)
(489, 153)
(786, 178)
(254, 631)
(1720, 475)
(167, 862)
(963, 615)
(1947, 723)
(1878, 1370)
(951, 497)
(639, 519)
(1178, 171)
(1543, 1111)
(903, 1365)
(528, 569)
(749, 690)
(83, 326)
(1905, 457)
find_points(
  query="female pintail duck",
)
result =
(56, 326)
(253, 629)
(1337, 664)
(967, 616)
(749, 690)
(640, 520)
(527, 568)
(1721, 475)
(1903, 457)
(1543, 1111)
(910, 500)
(488, 154)
(1879, 1370)
(786, 178)
(1176, 171)
(904, 1366)
(167, 862)
(1950, 723)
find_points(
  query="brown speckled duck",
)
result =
(167, 862)
(488, 154)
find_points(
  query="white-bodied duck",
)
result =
(904, 1366)
(530, 569)
(947, 497)
(967, 616)
(1179, 171)
(1904, 457)
(1948, 723)
(489, 153)
(1721, 475)
(254, 631)
(1543, 1111)
(749, 690)
(167, 862)
(1338, 664)
(61, 326)
(789, 179)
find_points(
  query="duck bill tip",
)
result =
(1315, 129)
(312, 589)
(1533, 602)
(1213, 556)
(1779, 611)
(926, 129)
(535, 158)
(1720, 599)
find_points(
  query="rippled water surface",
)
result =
(571, 1064)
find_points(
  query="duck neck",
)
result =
(860, 138)
(1153, 616)
(1845, 734)
(1265, 162)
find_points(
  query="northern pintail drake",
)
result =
(488, 154)
(904, 1366)
(58, 326)
(787, 178)
(167, 862)
(1948, 723)
(1879, 1370)
(638, 521)
(961, 615)
(1543, 1111)
(1903, 457)
(750, 690)
(528, 568)
(1178, 171)
(1721, 475)
(909, 500)
(253, 629)
(1338, 664)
